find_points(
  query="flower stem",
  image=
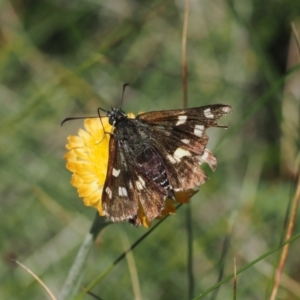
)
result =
(72, 282)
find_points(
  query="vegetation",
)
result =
(63, 59)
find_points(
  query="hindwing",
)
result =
(127, 187)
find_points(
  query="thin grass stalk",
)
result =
(184, 53)
(234, 280)
(38, 279)
(189, 228)
(295, 204)
(295, 33)
(190, 272)
(132, 268)
(286, 247)
(224, 252)
(260, 258)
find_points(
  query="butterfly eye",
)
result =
(111, 120)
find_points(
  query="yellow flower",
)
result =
(87, 159)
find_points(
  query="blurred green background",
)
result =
(66, 58)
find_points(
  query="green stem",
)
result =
(72, 282)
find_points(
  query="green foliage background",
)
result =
(66, 58)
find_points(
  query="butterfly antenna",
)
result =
(81, 118)
(100, 117)
(123, 92)
(73, 118)
(99, 109)
(99, 114)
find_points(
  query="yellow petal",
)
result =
(93, 199)
(86, 190)
(74, 142)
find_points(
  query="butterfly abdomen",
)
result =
(151, 164)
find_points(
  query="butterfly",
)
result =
(155, 155)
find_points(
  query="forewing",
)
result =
(180, 137)
(203, 115)
(118, 197)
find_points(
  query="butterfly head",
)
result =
(115, 115)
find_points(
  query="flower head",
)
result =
(87, 159)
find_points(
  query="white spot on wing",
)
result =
(109, 192)
(116, 172)
(179, 153)
(204, 156)
(208, 114)
(163, 182)
(140, 183)
(181, 120)
(226, 109)
(122, 191)
(208, 158)
(198, 131)
(171, 159)
(141, 180)
(185, 141)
